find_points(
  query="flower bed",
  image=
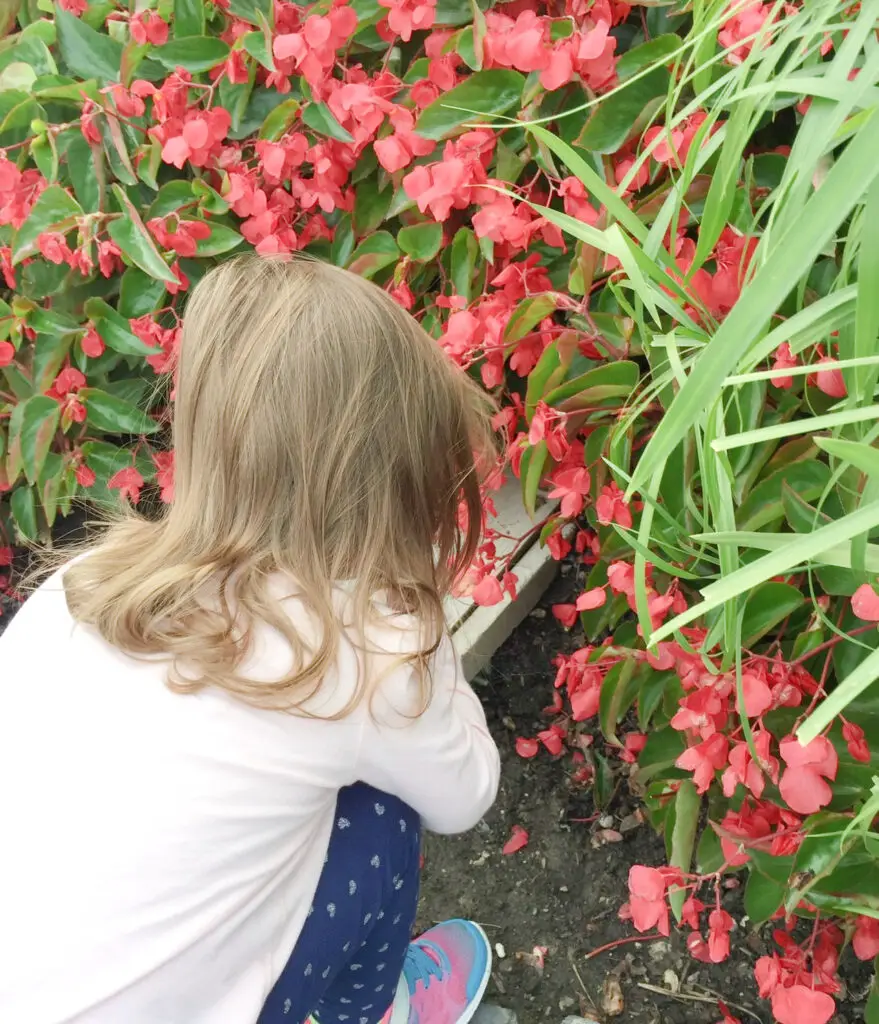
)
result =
(641, 227)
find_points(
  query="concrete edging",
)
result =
(478, 632)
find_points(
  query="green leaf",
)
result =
(55, 210)
(36, 421)
(259, 47)
(220, 240)
(189, 18)
(87, 53)
(528, 315)
(371, 204)
(343, 241)
(195, 53)
(421, 241)
(657, 51)
(50, 350)
(374, 253)
(114, 329)
(548, 369)
(767, 606)
(617, 695)
(612, 121)
(114, 415)
(279, 120)
(533, 465)
(24, 512)
(130, 234)
(767, 887)
(465, 250)
(612, 382)
(257, 12)
(859, 454)
(687, 807)
(172, 195)
(483, 93)
(319, 117)
(139, 293)
(764, 505)
(604, 782)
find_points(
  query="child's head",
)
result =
(319, 432)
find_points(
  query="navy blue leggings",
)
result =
(349, 957)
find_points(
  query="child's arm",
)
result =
(443, 763)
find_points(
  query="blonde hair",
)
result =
(319, 433)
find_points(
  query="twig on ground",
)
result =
(623, 942)
(696, 997)
(583, 988)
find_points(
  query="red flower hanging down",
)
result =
(865, 603)
(803, 784)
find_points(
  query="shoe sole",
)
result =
(470, 1012)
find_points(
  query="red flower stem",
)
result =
(622, 942)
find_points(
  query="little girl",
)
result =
(220, 731)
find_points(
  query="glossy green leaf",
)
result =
(55, 210)
(465, 250)
(319, 117)
(764, 506)
(256, 12)
(129, 232)
(189, 18)
(421, 242)
(85, 52)
(613, 382)
(371, 203)
(33, 427)
(280, 120)
(768, 606)
(114, 329)
(767, 887)
(115, 415)
(533, 468)
(195, 53)
(24, 512)
(613, 120)
(139, 293)
(221, 239)
(528, 315)
(687, 808)
(374, 253)
(484, 93)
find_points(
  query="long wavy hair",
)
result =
(320, 436)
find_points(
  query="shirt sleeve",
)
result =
(442, 762)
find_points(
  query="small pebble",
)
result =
(499, 949)
(606, 820)
(490, 1014)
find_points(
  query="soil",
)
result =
(564, 890)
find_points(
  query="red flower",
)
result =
(566, 614)
(719, 926)
(164, 462)
(488, 591)
(53, 247)
(92, 343)
(576, 200)
(571, 486)
(128, 482)
(85, 476)
(591, 599)
(612, 507)
(148, 27)
(647, 904)
(803, 784)
(856, 740)
(559, 545)
(865, 941)
(865, 603)
(553, 739)
(830, 379)
(784, 360)
(527, 748)
(800, 1005)
(7, 353)
(705, 759)
(408, 16)
(549, 425)
(517, 841)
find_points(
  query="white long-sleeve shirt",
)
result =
(159, 852)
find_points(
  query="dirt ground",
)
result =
(562, 893)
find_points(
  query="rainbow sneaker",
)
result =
(444, 977)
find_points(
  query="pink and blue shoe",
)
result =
(444, 977)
